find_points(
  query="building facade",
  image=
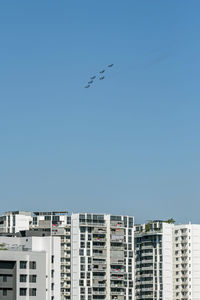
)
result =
(15, 221)
(154, 261)
(186, 262)
(57, 223)
(102, 256)
(29, 268)
(97, 252)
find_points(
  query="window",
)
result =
(89, 260)
(32, 265)
(4, 278)
(5, 292)
(81, 252)
(23, 264)
(89, 268)
(23, 278)
(82, 267)
(22, 291)
(33, 278)
(82, 237)
(82, 260)
(82, 245)
(52, 259)
(32, 292)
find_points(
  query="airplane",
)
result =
(101, 78)
(87, 86)
(89, 82)
(93, 77)
(109, 66)
(102, 71)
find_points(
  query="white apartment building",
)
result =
(15, 221)
(97, 252)
(30, 268)
(102, 257)
(186, 262)
(154, 261)
(57, 223)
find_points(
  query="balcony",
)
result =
(117, 271)
(99, 277)
(117, 285)
(99, 246)
(92, 224)
(97, 285)
(116, 262)
(116, 248)
(118, 293)
(99, 255)
(99, 231)
(99, 292)
(99, 239)
(114, 224)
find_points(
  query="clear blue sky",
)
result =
(131, 143)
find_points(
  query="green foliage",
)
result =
(2, 247)
(170, 221)
(147, 227)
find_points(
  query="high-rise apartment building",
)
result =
(102, 257)
(29, 268)
(167, 261)
(186, 262)
(57, 223)
(97, 252)
(154, 261)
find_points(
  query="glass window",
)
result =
(22, 291)
(23, 278)
(32, 265)
(23, 264)
(32, 292)
(33, 278)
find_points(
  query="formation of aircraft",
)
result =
(93, 77)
